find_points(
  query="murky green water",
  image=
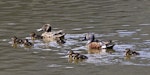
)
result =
(125, 21)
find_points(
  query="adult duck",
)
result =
(96, 44)
(50, 35)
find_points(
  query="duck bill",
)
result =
(39, 29)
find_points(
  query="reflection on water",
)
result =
(124, 21)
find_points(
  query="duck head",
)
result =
(46, 28)
(26, 41)
(91, 38)
(17, 40)
(70, 52)
(14, 38)
(88, 36)
(32, 35)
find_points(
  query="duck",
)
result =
(76, 56)
(129, 52)
(50, 35)
(16, 40)
(80, 57)
(34, 36)
(60, 40)
(71, 53)
(96, 44)
(27, 44)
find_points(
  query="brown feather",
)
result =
(94, 45)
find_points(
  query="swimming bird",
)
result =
(16, 40)
(129, 52)
(34, 36)
(79, 56)
(50, 35)
(96, 44)
(75, 56)
(27, 44)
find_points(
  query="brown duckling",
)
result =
(76, 55)
(27, 43)
(79, 56)
(71, 53)
(129, 52)
(16, 40)
(34, 36)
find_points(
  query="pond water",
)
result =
(126, 22)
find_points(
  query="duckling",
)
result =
(16, 40)
(71, 53)
(76, 55)
(34, 36)
(129, 52)
(27, 43)
(80, 57)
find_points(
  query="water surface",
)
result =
(125, 21)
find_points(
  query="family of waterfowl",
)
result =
(48, 35)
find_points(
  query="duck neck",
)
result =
(92, 38)
(49, 29)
